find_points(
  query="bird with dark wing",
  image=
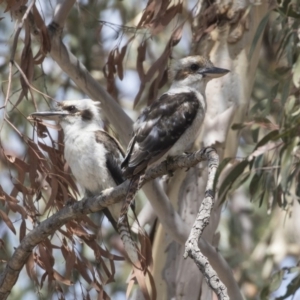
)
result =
(170, 125)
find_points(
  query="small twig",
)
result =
(28, 83)
(202, 220)
(9, 84)
(24, 12)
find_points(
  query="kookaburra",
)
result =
(92, 154)
(170, 125)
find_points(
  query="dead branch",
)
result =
(202, 220)
(87, 205)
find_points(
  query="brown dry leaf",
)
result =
(14, 5)
(17, 208)
(7, 221)
(152, 284)
(86, 220)
(34, 159)
(22, 230)
(64, 194)
(163, 20)
(110, 75)
(78, 230)
(47, 260)
(27, 62)
(22, 188)
(43, 278)
(54, 189)
(141, 279)
(160, 64)
(146, 247)
(22, 168)
(130, 285)
(97, 252)
(207, 21)
(30, 268)
(139, 94)
(119, 64)
(62, 279)
(140, 59)
(82, 269)
(148, 14)
(70, 262)
(157, 83)
(40, 24)
(177, 34)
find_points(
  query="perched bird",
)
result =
(170, 125)
(93, 156)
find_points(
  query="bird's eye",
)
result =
(194, 67)
(71, 108)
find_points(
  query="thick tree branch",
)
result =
(83, 79)
(202, 220)
(62, 9)
(108, 197)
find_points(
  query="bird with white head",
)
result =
(93, 155)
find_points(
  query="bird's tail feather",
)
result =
(123, 225)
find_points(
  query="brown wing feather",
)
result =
(158, 128)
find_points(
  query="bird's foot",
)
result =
(170, 160)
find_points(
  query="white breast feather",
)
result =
(89, 169)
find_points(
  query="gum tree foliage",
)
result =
(118, 52)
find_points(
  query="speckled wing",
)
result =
(114, 156)
(158, 128)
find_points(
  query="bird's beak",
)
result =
(214, 72)
(48, 115)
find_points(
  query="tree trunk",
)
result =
(228, 46)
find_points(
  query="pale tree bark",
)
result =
(228, 99)
(170, 220)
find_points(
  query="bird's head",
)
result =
(194, 71)
(73, 112)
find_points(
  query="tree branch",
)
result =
(83, 79)
(202, 220)
(62, 10)
(87, 205)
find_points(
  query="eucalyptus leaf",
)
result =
(296, 73)
(258, 34)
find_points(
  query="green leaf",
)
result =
(285, 91)
(231, 178)
(273, 92)
(291, 289)
(253, 187)
(238, 126)
(290, 104)
(296, 73)
(258, 34)
(268, 137)
(276, 280)
(221, 167)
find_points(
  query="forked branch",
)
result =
(192, 247)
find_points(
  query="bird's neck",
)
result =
(199, 86)
(78, 128)
(198, 89)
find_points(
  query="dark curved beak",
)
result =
(214, 72)
(47, 115)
